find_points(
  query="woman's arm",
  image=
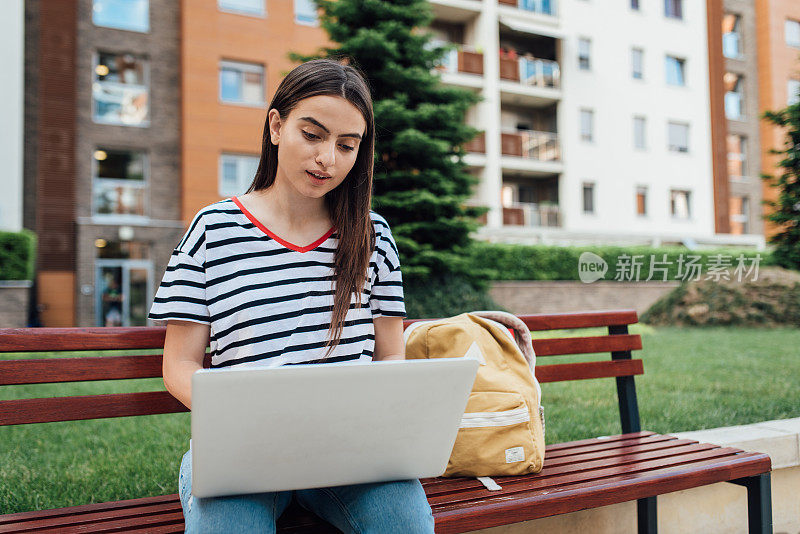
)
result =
(389, 344)
(184, 350)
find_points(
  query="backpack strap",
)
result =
(522, 336)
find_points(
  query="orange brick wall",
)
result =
(208, 126)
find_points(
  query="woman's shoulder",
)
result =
(203, 220)
(381, 225)
(220, 207)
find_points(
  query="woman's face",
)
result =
(322, 134)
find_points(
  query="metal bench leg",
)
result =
(646, 513)
(759, 503)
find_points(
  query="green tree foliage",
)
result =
(786, 212)
(420, 180)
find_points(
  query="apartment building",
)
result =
(589, 135)
(740, 80)
(103, 192)
(778, 44)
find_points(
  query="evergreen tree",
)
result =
(786, 212)
(420, 180)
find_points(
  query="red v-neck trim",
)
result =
(283, 242)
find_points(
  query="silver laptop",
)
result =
(315, 425)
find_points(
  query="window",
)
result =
(132, 15)
(305, 12)
(792, 92)
(732, 35)
(641, 200)
(733, 96)
(241, 83)
(584, 53)
(119, 91)
(587, 125)
(792, 31)
(673, 9)
(678, 135)
(635, 5)
(588, 198)
(118, 182)
(236, 173)
(639, 126)
(737, 156)
(739, 214)
(675, 70)
(680, 203)
(243, 7)
(637, 63)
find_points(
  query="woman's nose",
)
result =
(327, 154)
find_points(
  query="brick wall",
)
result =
(529, 297)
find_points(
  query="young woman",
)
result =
(297, 270)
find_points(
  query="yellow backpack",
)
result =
(502, 430)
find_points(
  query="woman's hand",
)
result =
(389, 344)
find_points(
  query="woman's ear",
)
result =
(274, 119)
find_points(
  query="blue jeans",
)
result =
(383, 507)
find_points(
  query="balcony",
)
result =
(541, 7)
(544, 214)
(530, 144)
(477, 144)
(528, 81)
(465, 60)
(531, 71)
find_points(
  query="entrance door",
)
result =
(123, 287)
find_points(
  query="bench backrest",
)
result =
(150, 341)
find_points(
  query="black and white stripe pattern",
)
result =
(267, 302)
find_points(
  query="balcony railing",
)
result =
(545, 7)
(464, 59)
(541, 146)
(531, 214)
(539, 72)
(531, 71)
(477, 144)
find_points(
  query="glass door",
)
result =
(123, 288)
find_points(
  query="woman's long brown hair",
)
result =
(349, 203)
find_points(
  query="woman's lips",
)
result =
(315, 178)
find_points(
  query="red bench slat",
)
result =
(76, 408)
(152, 337)
(587, 370)
(586, 345)
(96, 338)
(55, 370)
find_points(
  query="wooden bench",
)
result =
(635, 465)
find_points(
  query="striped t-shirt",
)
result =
(269, 301)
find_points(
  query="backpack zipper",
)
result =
(507, 417)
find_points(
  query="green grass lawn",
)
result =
(694, 378)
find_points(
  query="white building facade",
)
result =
(12, 25)
(596, 119)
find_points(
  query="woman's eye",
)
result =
(312, 136)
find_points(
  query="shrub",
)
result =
(444, 297)
(17, 255)
(546, 262)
